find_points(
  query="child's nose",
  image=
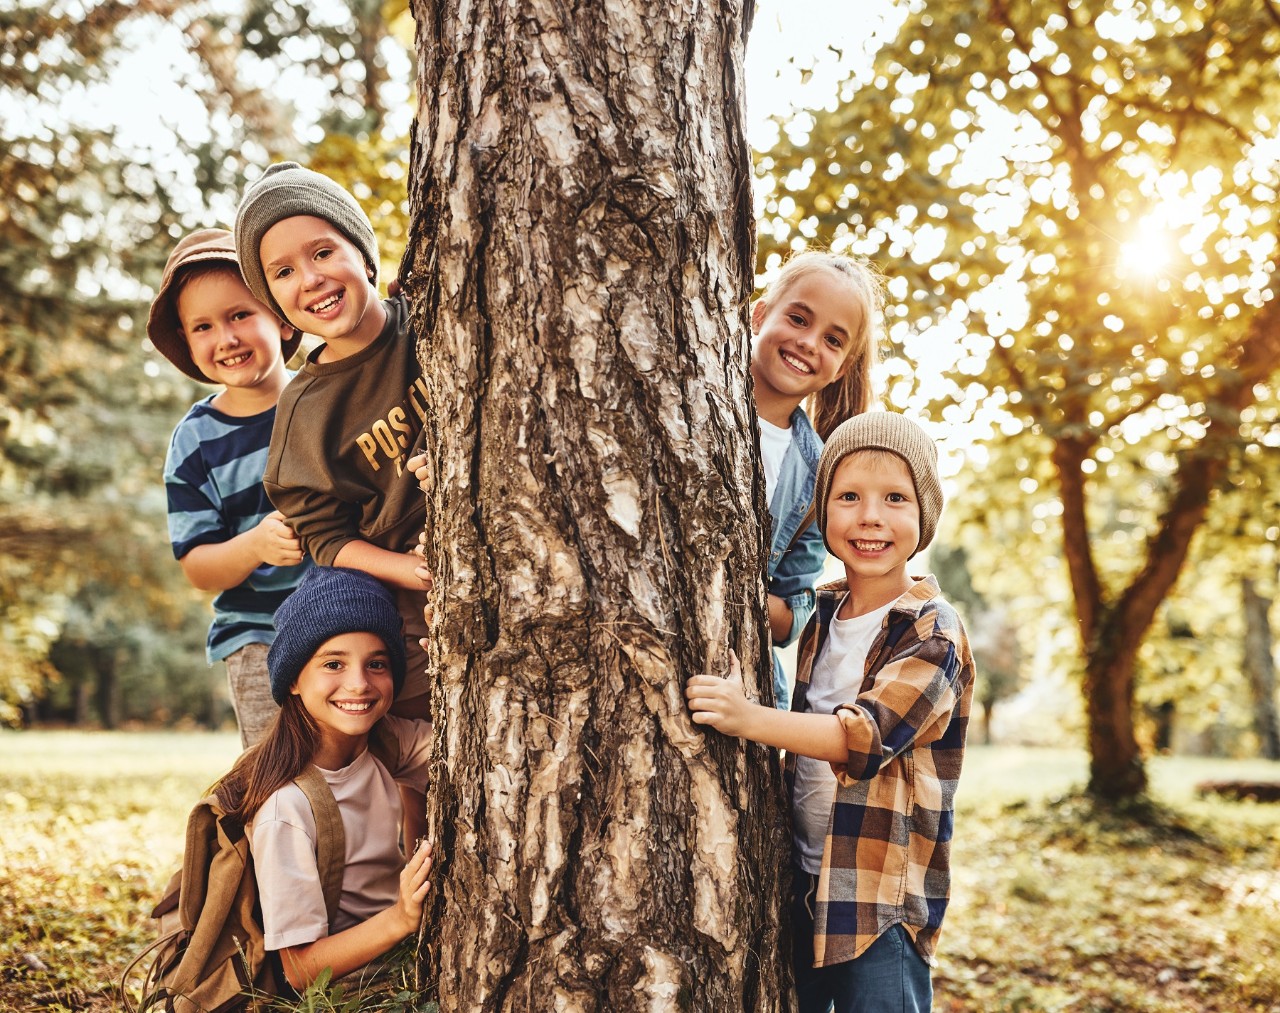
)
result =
(870, 514)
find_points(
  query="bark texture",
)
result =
(580, 262)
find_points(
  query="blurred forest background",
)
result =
(1075, 205)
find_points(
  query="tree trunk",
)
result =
(106, 665)
(1116, 770)
(1260, 669)
(580, 262)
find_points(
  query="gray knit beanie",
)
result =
(896, 434)
(328, 602)
(287, 189)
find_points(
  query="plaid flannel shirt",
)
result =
(887, 858)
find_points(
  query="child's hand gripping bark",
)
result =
(720, 702)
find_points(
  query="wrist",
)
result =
(751, 724)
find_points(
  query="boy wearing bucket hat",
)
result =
(224, 531)
(876, 734)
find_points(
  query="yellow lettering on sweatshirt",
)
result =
(418, 398)
(386, 439)
(401, 425)
(366, 443)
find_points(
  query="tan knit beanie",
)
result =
(287, 189)
(896, 434)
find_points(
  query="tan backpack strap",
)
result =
(331, 841)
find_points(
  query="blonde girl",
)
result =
(815, 340)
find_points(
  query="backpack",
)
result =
(210, 956)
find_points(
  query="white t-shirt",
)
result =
(282, 839)
(835, 679)
(773, 449)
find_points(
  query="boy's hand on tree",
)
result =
(420, 571)
(418, 465)
(278, 544)
(720, 702)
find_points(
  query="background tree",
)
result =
(580, 261)
(1084, 197)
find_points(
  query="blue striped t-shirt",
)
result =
(213, 479)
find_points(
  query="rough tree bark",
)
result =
(580, 262)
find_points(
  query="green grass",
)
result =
(1056, 907)
(91, 827)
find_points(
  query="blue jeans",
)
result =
(889, 976)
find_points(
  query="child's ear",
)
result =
(757, 314)
(287, 331)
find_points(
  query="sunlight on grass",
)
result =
(91, 826)
(1058, 907)
(1055, 907)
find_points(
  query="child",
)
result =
(223, 530)
(876, 736)
(815, 333)
(351, 416)
(337, 662)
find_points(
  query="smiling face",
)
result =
(804, 336)
(346, 686)
(322, 283)
(873, 525)
(234, 339)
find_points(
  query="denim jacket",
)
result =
(794, 569)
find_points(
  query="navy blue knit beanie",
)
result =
(330, 601)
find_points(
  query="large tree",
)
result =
(1087, 192)
(580, 259)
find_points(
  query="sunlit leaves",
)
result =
(1080, 203)
(96, 193)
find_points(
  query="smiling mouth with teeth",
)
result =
(234, 360)
(795, 363)
(354, 708)
(870, 546)
(327, 304)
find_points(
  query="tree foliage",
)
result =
(1077, 205)
(92, 209)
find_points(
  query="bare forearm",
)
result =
(224, 565)
(819, 736)
(779, 619)
(346, 951)
(394, 568)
